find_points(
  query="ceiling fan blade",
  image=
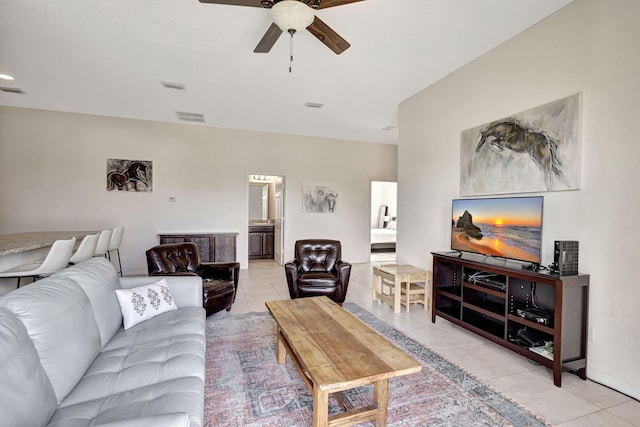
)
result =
(326, 35)
(331, 3)
(268, 40)
(252, 3)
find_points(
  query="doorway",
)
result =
(384, 218)
(266, 217)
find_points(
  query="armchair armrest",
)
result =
(344, 271)
(179, 273)
(293, 264)
(185, 290)
(291, 271)
(220, 270)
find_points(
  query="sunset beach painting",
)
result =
(509, 227)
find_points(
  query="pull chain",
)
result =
(292, 32)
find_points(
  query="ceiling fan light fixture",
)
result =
(292, 15)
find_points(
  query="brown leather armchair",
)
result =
(318, 270)
(220, 279)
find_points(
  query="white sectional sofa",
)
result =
(67, 361)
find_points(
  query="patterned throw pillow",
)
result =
(145, 302)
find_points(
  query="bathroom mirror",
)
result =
(258, 201)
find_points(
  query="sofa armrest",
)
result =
(167, 420)
(185, 290)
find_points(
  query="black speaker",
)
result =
(565, 257)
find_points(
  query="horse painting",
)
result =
(536, 150)
(510, 135)
(319, 199)
(129, 175)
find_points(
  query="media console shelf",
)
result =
(522, 310)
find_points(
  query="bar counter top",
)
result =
(28, 241)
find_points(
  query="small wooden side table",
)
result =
(397, 285)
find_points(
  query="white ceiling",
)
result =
(108, 57)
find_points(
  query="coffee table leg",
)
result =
(381, 400)
(320, 408)
(281, 349)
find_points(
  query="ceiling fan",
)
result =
(314, 24)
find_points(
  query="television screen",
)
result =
(507, 227)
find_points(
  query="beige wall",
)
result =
(53, 167)
(590, 46)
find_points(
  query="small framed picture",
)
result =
(129, 175)
(317, 199)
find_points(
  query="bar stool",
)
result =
(104, 240)
(86, 248)
(116, 241)
(57, 258)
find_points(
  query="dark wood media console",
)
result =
(489, 296)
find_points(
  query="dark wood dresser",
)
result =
(213, 247)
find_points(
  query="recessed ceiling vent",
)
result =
(190, 117)
(313, 105)
(11, 89)
(388, 128)
(177, 86)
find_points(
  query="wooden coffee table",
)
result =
(335, 351)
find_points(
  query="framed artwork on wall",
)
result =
(319, 199)
(129, 175)
(533, 151)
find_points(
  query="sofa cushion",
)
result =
(183, 395)
(128, 368)
(59, 320)
(315, 279)
(178, 419)
(145, 302)
(184, 321)
(26, 395)
(98, 279)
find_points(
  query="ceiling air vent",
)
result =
(190, 117)
(313, 105)
(169, 85)
(11, 89)
(388, 128)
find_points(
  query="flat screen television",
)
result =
(506, 227)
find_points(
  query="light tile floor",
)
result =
(576, 403)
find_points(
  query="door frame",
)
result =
(279, 213)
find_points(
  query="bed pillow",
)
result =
(145, 302)
(392, 225)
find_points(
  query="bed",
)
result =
(384, 239)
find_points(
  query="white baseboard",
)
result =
(631, 390)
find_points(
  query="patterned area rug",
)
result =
(245, 385)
